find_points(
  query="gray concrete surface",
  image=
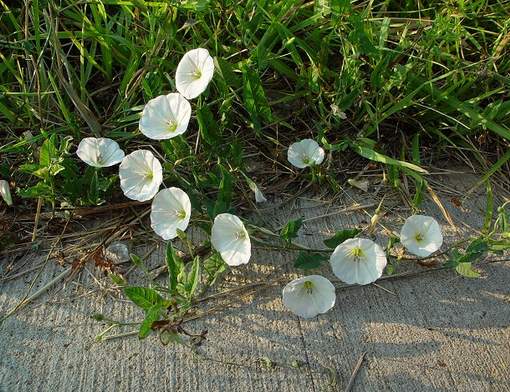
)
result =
(431, 332)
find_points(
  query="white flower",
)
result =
(230, 238)
(309, 296)
(259, 196)
(171, 210)
(165, 117)
(305, 153)
(358, 260)
(140, 175)
(99, 152)
(5, 192)
(194, 72)
(421, 235)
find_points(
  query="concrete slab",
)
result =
(431, 332)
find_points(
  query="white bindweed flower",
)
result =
(309, 296)
(171, 210)
(140, 175)
(230, 238)
(165, 117)
(305, 153)
(358, 260)
(5, 192)
(194, 72)
(99, 152)
(421, 235)
(259, 196)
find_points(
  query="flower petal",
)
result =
(166, 208)
(194, 72)
(358, 269)
(5, 192)
(99, 152)
(421, 235)
(309, 302)
(165, 117)
(140, 175)
(305, 153)
(230, 238)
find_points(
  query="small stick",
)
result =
(355, 372)
(29, 299)
(36, 220)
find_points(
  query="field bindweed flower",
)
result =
(230, 238)
(259, 196)
(358, 260)
(194, 72)
(309, 296)
(140, 175)
(99, 152)
(5, 192)
(165, 117)
(305, 153)
(421, 235)
(170, 211)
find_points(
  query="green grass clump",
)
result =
(396, 82)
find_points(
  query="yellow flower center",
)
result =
(357, 253)
(171, 126)
(306, 160)
(308, 286)
(181, 214)
(419, 237)
(149, 175)
(197, 74)
(241, 235)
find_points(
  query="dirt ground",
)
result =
(429, 331)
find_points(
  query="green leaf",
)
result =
(454, 258)
(309, 260)
(227, 73)
(94, 188)
(136, 260)
(255, 101)
(378, 157)
(341, 236)
(466, 270)
(225, 192)
(167, 337)
(193, 278)
(117, 279)
(143, 297)
(175, 267)
(475, 251)
(208, 127)
(48, 151)
(213, 267)
(289, 232)
(359, 37)
(38, 190)
(478, 246)
(151, 316)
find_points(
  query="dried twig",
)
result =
(355, 372)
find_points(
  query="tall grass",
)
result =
(396, 82)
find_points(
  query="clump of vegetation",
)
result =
(190, 94)
(389, 82)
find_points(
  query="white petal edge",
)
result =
(165, 203)
(224, 238)
(366, 270)
(308, 305)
